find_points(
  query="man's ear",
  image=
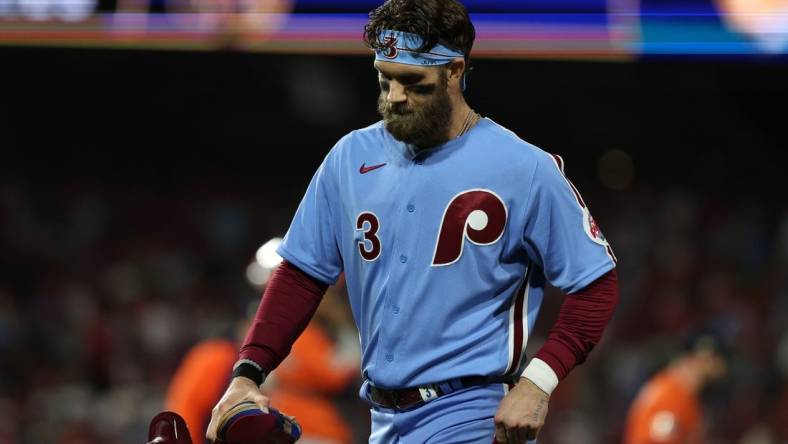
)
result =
(457, 71)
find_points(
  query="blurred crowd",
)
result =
(689, 261)
(104, 289)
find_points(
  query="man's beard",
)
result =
(425, 125)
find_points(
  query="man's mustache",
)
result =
(397, 110)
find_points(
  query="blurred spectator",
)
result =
(668, 408)
(322, 364)
(198, 383)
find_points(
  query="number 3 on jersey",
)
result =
(476, 215)
(369, 225)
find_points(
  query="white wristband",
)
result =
(542, 375)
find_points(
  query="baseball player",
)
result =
(447, 227)
(667, 409)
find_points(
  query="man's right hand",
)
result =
(240, 389)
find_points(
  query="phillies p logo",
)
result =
(390, 47)
(478, 216)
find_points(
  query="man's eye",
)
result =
(422, 89)
(384, 86)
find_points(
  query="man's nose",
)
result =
(396, 93)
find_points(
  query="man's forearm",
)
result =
(581, 321)
(289, 302)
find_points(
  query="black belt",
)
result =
(402, 399)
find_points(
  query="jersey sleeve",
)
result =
(560, 234)
(311, 242)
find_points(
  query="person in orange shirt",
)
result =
(302, 386)
(199, 381)
(667, 410)
(322, 363)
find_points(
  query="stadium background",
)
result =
(142, 166)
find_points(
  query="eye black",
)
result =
(422, 89)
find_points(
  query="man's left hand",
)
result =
(521, 414)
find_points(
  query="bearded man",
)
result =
(447, 227)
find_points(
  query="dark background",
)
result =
(126, 115)
(135, 187)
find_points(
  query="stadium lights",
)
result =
(266, 259)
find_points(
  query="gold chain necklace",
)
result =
(470, 120)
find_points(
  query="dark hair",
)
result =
(435, 21)
(710, 338)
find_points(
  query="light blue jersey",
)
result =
(446, 252)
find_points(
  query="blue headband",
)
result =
(403, 47)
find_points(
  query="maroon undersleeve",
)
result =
(580, 324)
(292, 296)
(289, 302)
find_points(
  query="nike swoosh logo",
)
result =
(365, 169)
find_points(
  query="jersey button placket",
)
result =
(403, 237)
